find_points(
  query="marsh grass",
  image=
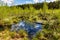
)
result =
(49, 17)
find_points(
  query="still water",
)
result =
(30, 28)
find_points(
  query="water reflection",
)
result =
(31, 28)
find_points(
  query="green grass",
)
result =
(50, 19)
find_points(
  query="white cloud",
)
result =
(8, 1)
(50, 0)
(36, 1)
(28, 2)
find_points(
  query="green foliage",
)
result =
(12, 34)
(34, 39)
(49, 18)
(22, 33)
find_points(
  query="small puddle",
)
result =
(30, 28)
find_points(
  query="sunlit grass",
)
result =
(51, 21)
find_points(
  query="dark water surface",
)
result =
(30, 28)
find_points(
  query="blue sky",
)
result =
(28, 1)
(23, 1)
(19, 2)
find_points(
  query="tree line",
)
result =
(51, 5)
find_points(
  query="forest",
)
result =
(54, 5)
(47, 13)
